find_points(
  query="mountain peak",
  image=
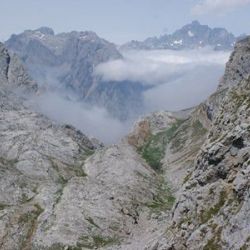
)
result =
(84, 35)
(190, 36)
(46, 30)
(195, 22)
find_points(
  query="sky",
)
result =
(122, 20)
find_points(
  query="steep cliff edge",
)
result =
(13, 73)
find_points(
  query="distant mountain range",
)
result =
(190, 36)
(67, 61)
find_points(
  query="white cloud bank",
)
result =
(95, 122)
(158, 66)
(177, 79)
(218, 6)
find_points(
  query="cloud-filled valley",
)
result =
(94, 121)
(173, 80)
(176, 79)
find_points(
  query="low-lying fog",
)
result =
(179, 79)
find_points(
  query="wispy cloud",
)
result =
(186, 91)
(218, 6)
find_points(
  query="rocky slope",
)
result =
(170, 141)
(67, 61)
(190, 36)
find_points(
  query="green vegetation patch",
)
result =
(246, 244)
(100, 241)
(179, 140)
(164, 199)
(240, 99)
(198, 129)
(91, 221)
(214, 242)
(30, 219)
(65, 171)
(8, 163)
(94, 242)
(208, 214)
(187, 177)
(59, 246)
(154, 150)
(2, 206)
(86, 242)
(193, 130)
(31, 215)
(212, 245)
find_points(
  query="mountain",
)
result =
(177, 181)
(190, 36)
(67, 61)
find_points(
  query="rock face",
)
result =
(150, 125)
(238, 67)
(13, 72)
(190, 36)
(67, 61)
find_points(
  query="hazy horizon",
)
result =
(120, 21)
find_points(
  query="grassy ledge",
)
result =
(154, 150)
(164, 199)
